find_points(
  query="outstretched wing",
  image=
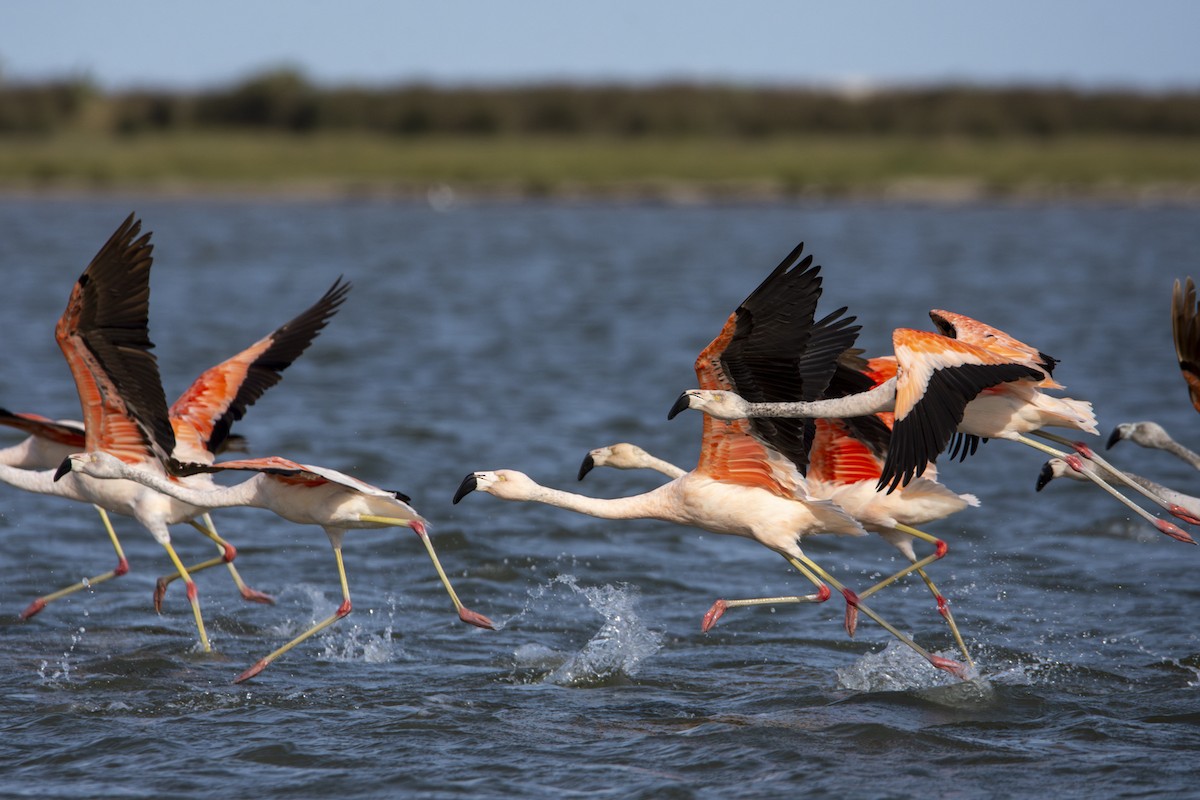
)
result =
(1185, 326)
(771, 350)
(204, 414)
(64, 433)
(287, 471)
(972, 331)
(937, 377)
(104, 334)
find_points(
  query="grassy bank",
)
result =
(704, 167)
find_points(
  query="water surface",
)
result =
(521, 336)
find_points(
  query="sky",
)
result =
(120, 44)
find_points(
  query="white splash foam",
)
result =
(619, 647)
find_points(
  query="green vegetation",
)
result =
(277, 133)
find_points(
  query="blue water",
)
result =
(521, 336)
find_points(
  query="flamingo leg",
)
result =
(192, 595)
(464, 613)
(719, 608)
(121, 568)
(1081, 465)
(228, 553)
(918, 567)
(947, 664)
(1091, 455)
(342, 611)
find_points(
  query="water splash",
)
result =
(61, 672)
(898, 668)
(350, 639)
(616, 650)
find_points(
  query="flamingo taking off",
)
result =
(843, 469)
(749, 479)
(300, 493)
(103, 334)
(948, 385)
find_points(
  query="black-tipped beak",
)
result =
(587, 466)
(1045, 476)
(680, 405)
(63, 468)
(1113, 438)
(465, 488)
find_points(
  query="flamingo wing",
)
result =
(840, 457)
(972, 331)
(1185, 327)
(203, 415)
(937, 376)
(104, 335)
(65, 433)
(289, 472)
(771, 350)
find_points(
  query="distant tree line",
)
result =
(284, 100)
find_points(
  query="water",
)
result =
(522, 336)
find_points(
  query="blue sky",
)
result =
(1149, 44)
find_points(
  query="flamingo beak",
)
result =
(1045, 476)
(63, 468)
(1113, 438)
(587, 466)
(680, 404)
(466, 487)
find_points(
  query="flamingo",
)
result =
(48, 443)
(1059, 467)
(300, 493)
(748, 481)
(845, 470)
(953, 387)
(1185, 331)
(103, 335)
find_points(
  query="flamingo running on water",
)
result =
(748, 481)
(103, 334)
(843, 469)
(954, 385)
(300, 493)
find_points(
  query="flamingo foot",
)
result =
(1174, 531)
(250, 673)
(950, 665)
(255, 596)
(160, 591)
(851, 621)
(475, 618)
(33, 608)
(1185, 515)
(712, 615)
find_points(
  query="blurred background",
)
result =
(672, 100)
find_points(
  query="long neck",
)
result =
(215, 497)
(665, 467)
(881, 398)
(1176, 449)
(40, 481)
(650, 505)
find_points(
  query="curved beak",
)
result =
(680, 404)
(587, 466)
(465, 488)
(1045, 476)
(63, 468)
(1113, 437)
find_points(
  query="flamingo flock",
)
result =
(802, 435)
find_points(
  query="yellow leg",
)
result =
(121, 568)
(228, 553)
(192, 595)
(464, 613)
(946, 664)
(342, 611)
(719, 608)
